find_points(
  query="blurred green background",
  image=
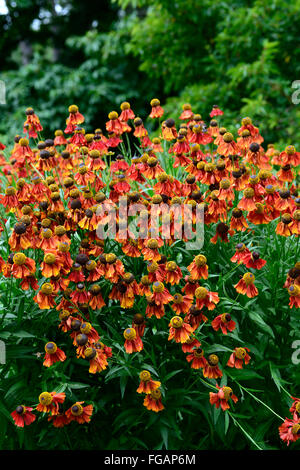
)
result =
(242, 55)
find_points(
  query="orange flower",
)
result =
(212, 370)
(238, 221)
(153, 402)
(223, 322)
(195, 317)
(147, 385)
(97, 359)
(197, 358)
(160, 294)
(294, 293)
(205, 298)
(227, 145)
(198, 268)
(133, 342)
(22, 266)
(238, 356)
(74, 119)
(187, 112)
(53, 354)
(79, 413)
(49, 402)
(190, 344)
(169, 130)
(51, 265)
(246, 285)
(179, 330)
(173, 273)
(182, 303)
(45, 297)
(247, 203)
(222, 397)
(126, 113)
(59, 421)
(139, 324)
(222, 232)
(157, 111)
(285, 226)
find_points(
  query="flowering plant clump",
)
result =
(164, 267)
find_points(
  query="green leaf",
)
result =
(256, 317)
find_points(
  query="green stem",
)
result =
(244, 430)
(260, 401)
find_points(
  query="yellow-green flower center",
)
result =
(45, 398)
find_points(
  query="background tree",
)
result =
(238, 54)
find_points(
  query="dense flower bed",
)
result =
(221, 310)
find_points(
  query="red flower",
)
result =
(147, 385)
(74, 119)
(179, 330)
(205, 298)
(53, 354)
(295, 408)
(23, 416)
(79, 413)
(197, 358)
(252, 260)
(222, 397)
(239, 356)
(153, 402)
(59, 421)
(198, 268)
(289, 431)
(133, 342)
(212, 370)
(49, 402)
(157, 111)
(246, 285)
(216, 111)
(294, 292)
(223, 322)
(240, 253)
